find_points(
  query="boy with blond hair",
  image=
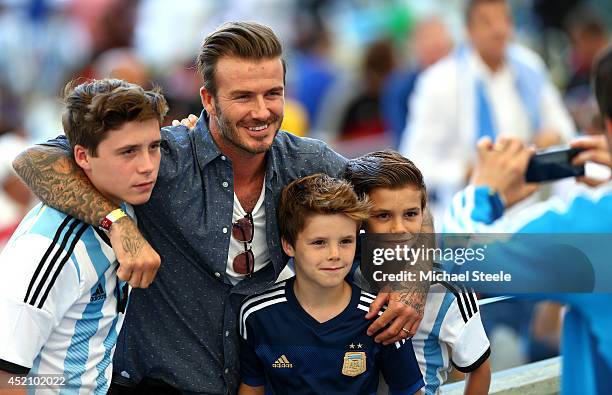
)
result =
(451, 330)
(308, 334)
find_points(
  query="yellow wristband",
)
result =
(111, 218)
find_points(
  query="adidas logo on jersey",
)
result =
(99, 294)
(282, 362)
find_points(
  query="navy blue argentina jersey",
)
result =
(288, 351)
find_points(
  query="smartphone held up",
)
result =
(553, 164)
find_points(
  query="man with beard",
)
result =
(212, 217)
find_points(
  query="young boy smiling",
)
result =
(60, 297)
(308, 334)
(451, 329)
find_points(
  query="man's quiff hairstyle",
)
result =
(244, 40)
(94, 108)
(384, 169)
(317, 194)
(602, 81)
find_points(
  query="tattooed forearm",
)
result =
(56, 179)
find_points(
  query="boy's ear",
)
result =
(287, 247)
(81, 157)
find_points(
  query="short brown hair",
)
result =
(245, 40)
(384, 169)
(317, 194)
(472, 4)
(93, 108)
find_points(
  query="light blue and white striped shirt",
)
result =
(451, 332)
(60, 299)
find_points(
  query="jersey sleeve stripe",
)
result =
(10, 367)
(270, 291)
(475, 365)
(41, 264)
(362, 307)
(367, 294)
(466, 303)
(63, 262)
(472, 298)
(253, 301)
(253, 309)
(53, 261)
(103, 236)
(400, 343)
(460, 304)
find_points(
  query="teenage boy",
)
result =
(60, 297)
(308, 334)
(451, 329)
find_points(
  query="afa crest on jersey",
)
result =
(354, 363)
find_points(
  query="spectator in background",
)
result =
(486, 87)
(589, 36)
(314, 74)
(363, 116)
(352, 106)
(123, 64)
(430, 41)
(499, 182)
(15, 197)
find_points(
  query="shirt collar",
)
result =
(205, 147)
(483, 70)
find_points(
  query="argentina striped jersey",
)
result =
(451, 331)
(59, 302)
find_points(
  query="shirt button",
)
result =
(226, 333)
(224, 230)
(226, 371)
(225, 184)
(217, 274)
(222, 157)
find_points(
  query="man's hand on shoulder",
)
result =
(401, 318)
(190, 122)
(138, 261)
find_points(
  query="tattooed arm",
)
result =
(405, 301)
(56, 179)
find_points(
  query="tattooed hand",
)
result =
(405, 302)
(138, 261)
(401, 318)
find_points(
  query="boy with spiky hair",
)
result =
(308, 334)
(60, 297)
(451, 329)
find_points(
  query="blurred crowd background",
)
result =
(353, 66)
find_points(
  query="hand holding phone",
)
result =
(553, 164)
